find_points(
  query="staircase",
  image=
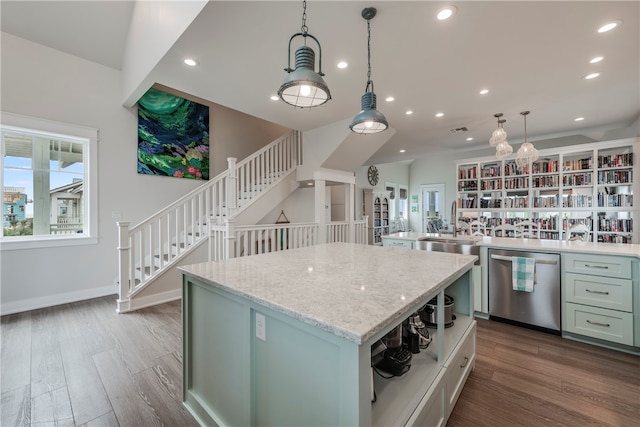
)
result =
(148, 250)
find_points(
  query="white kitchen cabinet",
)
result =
(598, 299)
(591, 184)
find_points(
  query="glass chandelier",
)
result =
(527, 153)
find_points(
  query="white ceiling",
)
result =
(530, 55)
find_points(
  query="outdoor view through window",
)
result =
(42, 184)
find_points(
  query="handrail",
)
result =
(157, 243)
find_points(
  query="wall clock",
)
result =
(372, 175)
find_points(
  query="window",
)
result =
(48, 183)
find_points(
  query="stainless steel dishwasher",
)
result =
(540, 308)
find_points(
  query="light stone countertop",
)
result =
(620, 249)
(351, 290)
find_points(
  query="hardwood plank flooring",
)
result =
(528, 378)
(83, 365)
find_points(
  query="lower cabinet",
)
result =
(459, 366)
(600, 296)
(609, 325)
(432, 409)
(437, 404)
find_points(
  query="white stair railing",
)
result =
(159, 242)
(230, 241)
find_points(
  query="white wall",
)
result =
(397, 173)
(41, 82)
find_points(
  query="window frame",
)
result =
(86, 135)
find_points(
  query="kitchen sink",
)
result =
(449, 245)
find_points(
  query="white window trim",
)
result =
(19, 122)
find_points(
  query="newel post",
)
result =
(232, 184)
(124, 281)
(230, 238)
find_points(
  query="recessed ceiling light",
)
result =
(446, 13)
(439, 114)
(578, 119)
(274, 97)
(191, 62)
(591, 76)
(409, 112)
(470, 139)
(609, 26)
(596, 59)
(309, 184)
(484, 91)
(342, 64)
(402, 151)
(390, 99)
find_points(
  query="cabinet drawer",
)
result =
(604, 324)
(604, 292)
(393, 243)
(430, 412)
(599, 265)
(458, 366)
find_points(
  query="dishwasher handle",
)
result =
(510, 259)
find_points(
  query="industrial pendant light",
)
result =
(527, 153)
(303, 87)
(369, 120)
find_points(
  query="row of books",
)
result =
(577, 201)
(578, 164)
(546, 166)
(545, 181)
(615, 160)
(614, 177)
(577, 179)
(615, 225)
(615, 200)
(516, 183)
(491, 185)
(468, 173)
(491, 171)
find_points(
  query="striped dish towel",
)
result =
(523, 273)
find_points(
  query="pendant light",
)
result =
(503, 148)
(369, 120)
(499, 134)
(527, 153)
(303, 87)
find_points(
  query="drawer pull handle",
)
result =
(602, 267)
(606, 325)
(466, 360)
(597, 292)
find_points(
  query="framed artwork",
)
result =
(414, 198)
(173, 136)
(414, 208)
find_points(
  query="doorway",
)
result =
(433, 203)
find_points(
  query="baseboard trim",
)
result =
(57, 299)
(155, 299)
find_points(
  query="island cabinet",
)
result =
(602, 300)
(285, 338)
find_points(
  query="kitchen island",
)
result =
(285, 338)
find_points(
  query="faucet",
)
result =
(454, 218)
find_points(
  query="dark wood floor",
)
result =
(82, 364)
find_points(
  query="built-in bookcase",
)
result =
(591, 184)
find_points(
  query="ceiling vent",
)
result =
(460, 129)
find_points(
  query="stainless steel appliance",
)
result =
(539, 308)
